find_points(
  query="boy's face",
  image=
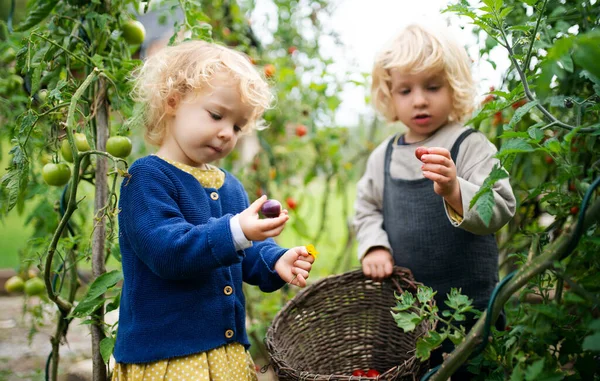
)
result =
(422, 101)
(205, 125)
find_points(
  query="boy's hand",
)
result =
(294, 266)
(439, 167)
(257, 229)
(378, 263)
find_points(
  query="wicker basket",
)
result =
(342, 323)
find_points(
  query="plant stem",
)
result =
(528, 92)
(538, 265)
(99, 234)
(533, 37)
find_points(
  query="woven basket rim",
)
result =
(404, 274)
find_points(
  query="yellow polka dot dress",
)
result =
(230, 362)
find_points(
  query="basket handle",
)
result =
(404, 274)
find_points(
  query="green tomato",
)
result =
(119, 146)
(56, 174)
(81, 142)
(8, 56)
(34, 286)
(43, 95)
(65, 150)
(134, 32)
(14, 284)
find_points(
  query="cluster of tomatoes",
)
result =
(58, 174)
(371, 373)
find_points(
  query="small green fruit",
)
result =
(133, 32)
(56, 174)
(119, 146)
(14, 284)
(81, 142)
(34, 286)
(65, 150)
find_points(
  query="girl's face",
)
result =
(204, 126)
(422, 101)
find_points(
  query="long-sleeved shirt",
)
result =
(474, 163)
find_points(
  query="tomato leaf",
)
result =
(106, 348)
(40, 11)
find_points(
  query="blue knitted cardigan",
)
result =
(180, 264)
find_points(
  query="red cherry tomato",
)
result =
(359, 373)
(420, 152)
(372, 373)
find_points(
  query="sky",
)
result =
(364, 26)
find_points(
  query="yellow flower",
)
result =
(312, 251)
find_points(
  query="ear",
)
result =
(172, 103)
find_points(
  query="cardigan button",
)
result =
(214, 196)
(229, 333)
(228, 290)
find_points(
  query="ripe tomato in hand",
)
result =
(420, 152)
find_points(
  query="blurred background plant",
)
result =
(49, 48)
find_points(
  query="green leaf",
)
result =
(592, 343)
(534, 370)
(408, 321)
(106, 348)
(505, 12)
(514, 146)
(535, 132)
(485, 206)
(517, 374)
(496, 174)
(586, 51)
(28, 120)
(103, 283)
(425, 294)
(87, 307)
(520, 112)
(428, 343)
(40, 11)
(404, 302)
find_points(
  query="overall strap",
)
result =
(456, 146)
(388, 154)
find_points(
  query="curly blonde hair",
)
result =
(417, 49)
(176, 71)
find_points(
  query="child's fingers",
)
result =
(303, 264)
(437, 168)
(436, 160)
(437, 151)
(257, 204)
(300, 272)
(267, 224)
(440, 179)
(300, 281)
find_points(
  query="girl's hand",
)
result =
(378, 264)
(257, 229)
(439, 167)
(294, 266)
